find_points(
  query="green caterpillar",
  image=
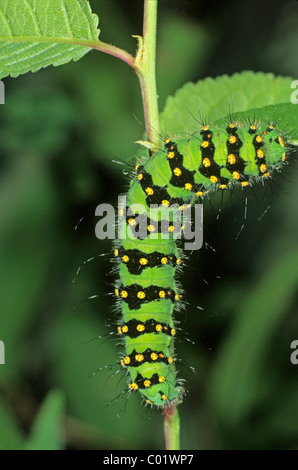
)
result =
(183, 171)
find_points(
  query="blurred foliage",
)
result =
(61, 131)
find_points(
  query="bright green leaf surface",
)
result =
(211, 99)
(47, 429)
(38, 33)
(283, 115)
(10, 436)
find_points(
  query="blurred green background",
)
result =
(61, 131)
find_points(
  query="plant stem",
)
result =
(147, 73)
(114, 51)
(171, 425)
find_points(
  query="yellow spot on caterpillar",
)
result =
(232, 139)
(263, 168)
(132, 222)
(140, 176)
(236, 175)
(140, 327)
(147, 383)
(170, 360)
(213, 179)
(164, 260)
(117, 292)
(141, 295)
(270, 127)
(266, 175)
(178, 261)
(124, 294)
(206, 162)
(283, 157)
(124, 329)
(126, 360)
(188, 186)
(259, 139)
(149, 402)
(171, 155)
(260, 153)
(231, 125)
(223, 186)
(171, 228)
(149, 191)
(116, 252)
(164, 397)
(244, 183)
(167, 141)
(139, 357)
(176, 297)
(177, 171)
(173, 331)
(205, 128)
(165, 203)
(281, 141)
(136, 166)
(162, 294)
(231, 159)
(158, 327)
(253, 127)
(205, 144)
(125, 259)
(161, 379)
(151, 228)
(119, 329)
(154, 356)
(199, 193)
(133, 386)
(143, 261)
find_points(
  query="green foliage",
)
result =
(11, 437)
(240, 378)
(38, 33)
(47, 433)
(210, 99)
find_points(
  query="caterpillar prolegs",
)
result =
(183, 171)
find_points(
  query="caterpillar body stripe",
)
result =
(183, 170)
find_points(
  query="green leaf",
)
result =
(47, 429)
(11, 437)
(239, 378)
(211, 99)
(39, 33)
(284, 116)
